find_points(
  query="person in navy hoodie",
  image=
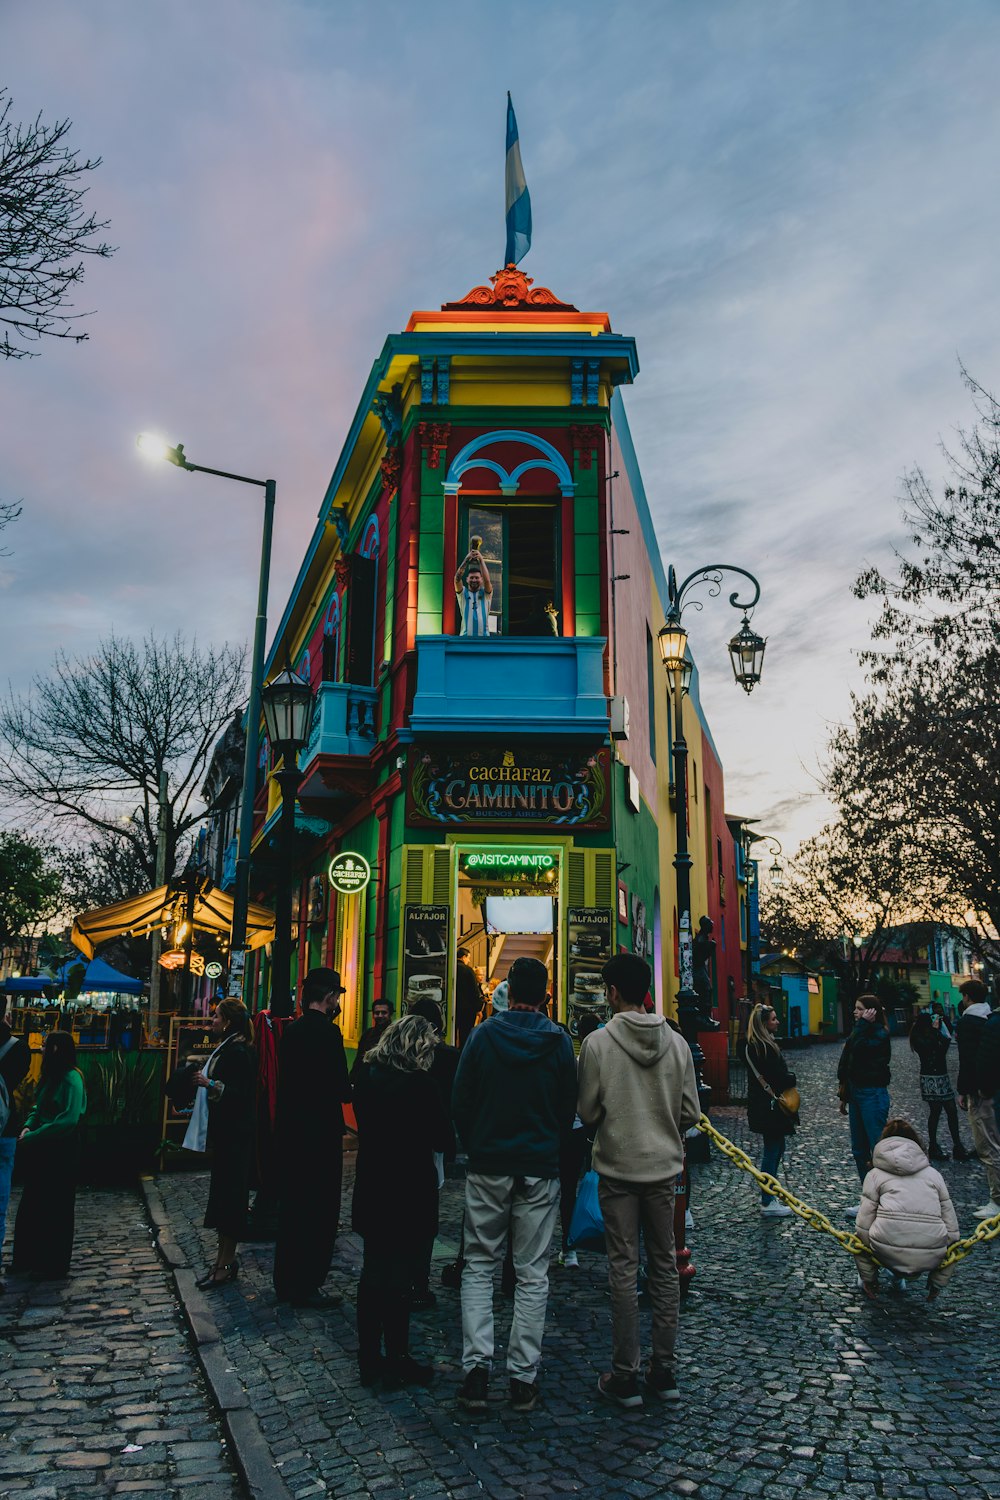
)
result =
(514, 1100)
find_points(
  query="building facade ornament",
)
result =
(433, 437)
(512, 289)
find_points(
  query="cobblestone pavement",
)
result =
(99, 1388)
(792, 1383)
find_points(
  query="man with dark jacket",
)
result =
(638, 1087)
(469, 999)
(313, 1086)
(978, 1036)
(15, 1060)
(381, 1019)
(514, 1098)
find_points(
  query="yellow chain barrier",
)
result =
(989, 1229)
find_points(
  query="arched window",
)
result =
(304, 668)
(331, 640)
(361, 608)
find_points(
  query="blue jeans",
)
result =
(8, 1145)
(770, 1160)
(867, 1110)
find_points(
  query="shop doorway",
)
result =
(508, 908)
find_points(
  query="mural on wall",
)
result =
(501, 788)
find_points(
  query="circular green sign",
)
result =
(213, 970)
(349, 873)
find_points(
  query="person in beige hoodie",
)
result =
(906, 1217)
(637, 1085)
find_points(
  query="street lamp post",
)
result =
(746, 650)
(154, 447)
(287, 703)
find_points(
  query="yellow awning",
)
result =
(212, 912)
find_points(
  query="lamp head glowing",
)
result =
(152, 446)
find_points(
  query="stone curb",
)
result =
(246, 1441)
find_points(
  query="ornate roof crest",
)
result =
(511, 289)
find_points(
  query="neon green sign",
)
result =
(509, 859)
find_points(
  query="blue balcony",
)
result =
(335, 762)
(510, 685)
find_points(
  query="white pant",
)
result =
(527, 1208)
(986, 1139)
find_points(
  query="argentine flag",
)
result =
(518, 201)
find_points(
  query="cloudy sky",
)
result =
(792, 206)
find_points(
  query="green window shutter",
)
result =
(604, 876)
(413, 874)
(440, 874)
(576, 877)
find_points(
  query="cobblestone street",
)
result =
(791, 1382)
(99, 1388)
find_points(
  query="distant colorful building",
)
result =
(508, 789)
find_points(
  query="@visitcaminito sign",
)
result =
(349, 873)
(504, 860)
(213, 970)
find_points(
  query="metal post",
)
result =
(281, 950)
(687, 999)
(241, 894)
(156, 972)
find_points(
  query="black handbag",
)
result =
(180, 1088)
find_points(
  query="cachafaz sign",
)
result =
(503, 787)
(508, 860)
(349, 873)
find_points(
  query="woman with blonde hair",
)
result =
(222, 1123)
(768, 1076)
(402, 1121)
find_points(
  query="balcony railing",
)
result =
(343, 722)
(510, 685)
(229, 864)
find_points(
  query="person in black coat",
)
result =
(469, 1000)
(767, 1076)
(15, 1060)
(863, 1078)
(442, 1071)
(313, 1087)
(930, 1040)
(402, 1121)
(228, 1082)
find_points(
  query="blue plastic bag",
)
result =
(586, 1230)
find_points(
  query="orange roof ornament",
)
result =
(511, 289)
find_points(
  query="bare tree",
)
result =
(45, 232)
(9, 511)
(85, 748)
(844, 896)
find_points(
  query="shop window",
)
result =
(520, 546)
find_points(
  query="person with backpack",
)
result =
(15, 1059)
(768, 1077)
(50, 1145)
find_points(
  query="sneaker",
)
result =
(523, 1394)
(853, 1211)
(661, 1384)
(571, 1260)
(775, 1210)
(933, 1293)
(405, 1371)
(987, 1210)
(960, 1154)
(897, 1283)
(473, 1391)
(688, 1220)
(936, 1154)
(619, 1390)
(870, 1289)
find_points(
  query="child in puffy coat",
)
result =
(906, 1216)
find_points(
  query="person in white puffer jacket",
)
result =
(906, 1217)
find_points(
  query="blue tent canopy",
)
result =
(101, 978)
(28, 984)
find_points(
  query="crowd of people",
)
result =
(526, 1113)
